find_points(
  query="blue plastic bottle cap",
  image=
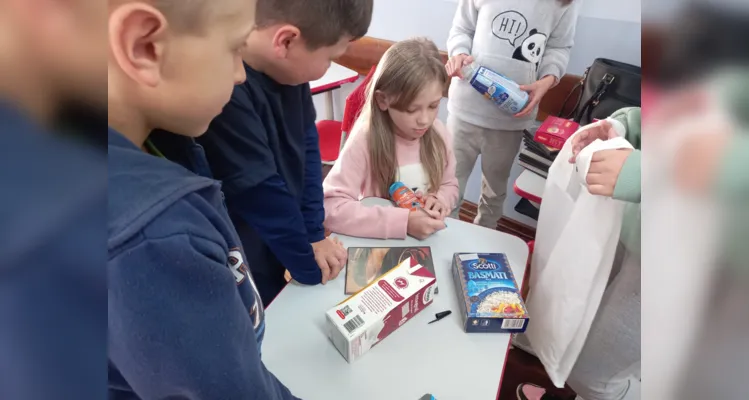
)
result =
(395, 186)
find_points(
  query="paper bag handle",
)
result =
(563, 172)
(585, 156)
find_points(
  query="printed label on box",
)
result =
(488, 295)
(555, 131)
(367, 317)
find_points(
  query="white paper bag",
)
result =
(680, 250)
(576, 240)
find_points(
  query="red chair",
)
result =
(525, 286)
(333, 133)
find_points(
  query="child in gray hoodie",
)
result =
(527, 41)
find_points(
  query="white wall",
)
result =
(400, 19)
(623, 10)
(606, 28)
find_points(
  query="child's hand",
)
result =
(432, 203)
(537, 90)
(698, 159)
(604, 131)
(455, 63)
(704, 133)
(605, 167)
(422, 224)
(675, 106)
(330, 256)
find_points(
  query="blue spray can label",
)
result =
(496, 87)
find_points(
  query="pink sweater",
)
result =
(350, 181)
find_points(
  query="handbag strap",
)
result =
(579, 84)
(593, 101)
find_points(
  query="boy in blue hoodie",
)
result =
(53, 199)
(185, 319)
(264, 145)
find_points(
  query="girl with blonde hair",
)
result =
(397, 138)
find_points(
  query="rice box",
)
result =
(370, 315)
(488, 295)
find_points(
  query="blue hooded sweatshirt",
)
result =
(185, 320)
(52, 282)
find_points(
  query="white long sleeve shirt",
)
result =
(523, 40)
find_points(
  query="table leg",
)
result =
(329, 105)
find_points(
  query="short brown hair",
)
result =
(322, 22)
(189, 16)
(183, 15)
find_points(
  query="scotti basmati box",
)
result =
(488, 295)
(370, 315)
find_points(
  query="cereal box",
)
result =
(370, 315)
(488, 296)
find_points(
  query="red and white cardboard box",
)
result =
(555, 131)
(370, 315)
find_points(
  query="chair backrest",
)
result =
(355, 103)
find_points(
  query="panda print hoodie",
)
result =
(523, 40)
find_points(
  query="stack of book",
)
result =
(536, 157)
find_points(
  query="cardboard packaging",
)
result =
(370, 315)
(488, 295)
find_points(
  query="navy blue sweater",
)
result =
(185, 320)
(264, 147)
(53, 304)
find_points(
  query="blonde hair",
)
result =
(404, 70)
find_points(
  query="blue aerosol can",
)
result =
(496, 87)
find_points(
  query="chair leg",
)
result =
(330, 112)
(525, 286)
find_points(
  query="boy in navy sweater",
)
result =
(185, 320)
(264, 145)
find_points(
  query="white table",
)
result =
(530, 186)
(416, 359)
(336, 76)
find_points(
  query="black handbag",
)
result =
(607, 86)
